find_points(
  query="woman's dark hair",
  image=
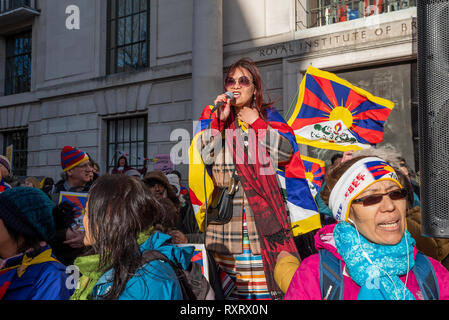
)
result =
(25, 242)
(118, 162)
(249, 65)
(119, 208)
(405, 182)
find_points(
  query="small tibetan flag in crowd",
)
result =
(331, 113)
(314, 173)
(78, 201)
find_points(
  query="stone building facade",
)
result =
(76, 96)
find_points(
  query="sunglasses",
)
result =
(243, 81)
(372, 199)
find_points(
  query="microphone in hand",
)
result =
(230, 96)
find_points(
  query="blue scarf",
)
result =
(371, 277)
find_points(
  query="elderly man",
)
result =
(76, 177)
(76, 171)
(5, 168)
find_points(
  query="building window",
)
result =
(324, 12)
(18, 63)
(128, 35)
(127, 136)
(8, 5)
(18, 139)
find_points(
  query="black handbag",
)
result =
(221, 213)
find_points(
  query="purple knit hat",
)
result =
(5, 162)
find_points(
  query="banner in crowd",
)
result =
(199, 256)
(315, 169)
(78, 200)
(9, 155)
(331, 113)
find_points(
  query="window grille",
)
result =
(18, 63)
(128, 35)
(19, 140)
(127, 136)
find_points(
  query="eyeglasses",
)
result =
(243, 81)
(372, 199)
(85, 167)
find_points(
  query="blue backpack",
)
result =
(332, 279)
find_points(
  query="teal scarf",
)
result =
(386, 259)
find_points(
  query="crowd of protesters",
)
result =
(138, 227)
(133, 212)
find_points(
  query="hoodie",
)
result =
(305, 284)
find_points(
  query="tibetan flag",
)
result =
(333, 114)
(184, 190)
(378, 168)
(314, 172)
(303, 212)
(78, 200)
(199, 256)
(200, 180)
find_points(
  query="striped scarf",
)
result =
(267, 204)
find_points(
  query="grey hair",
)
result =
(386, 152)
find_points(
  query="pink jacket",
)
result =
(305, 284)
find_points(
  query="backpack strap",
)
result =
(425, 275)
(150, 255)
(331, 276)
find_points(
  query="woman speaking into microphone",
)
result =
(244, 147)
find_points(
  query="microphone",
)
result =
(219, 104)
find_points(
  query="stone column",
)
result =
(207, 54)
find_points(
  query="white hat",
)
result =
(357, 178)
(173, 179)
(133, 173)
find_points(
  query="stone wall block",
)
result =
(68, 107)
(121, 95)
(87, 104)
(143, 98)
(110, 99)
(49, 110)
(100, 103)
(87, 139)
(172, 112)
(161, 93)
(48, 142)
(25, 115)
(57, 125)
(131, 98)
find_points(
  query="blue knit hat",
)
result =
(28, 211)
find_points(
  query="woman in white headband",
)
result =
(368, 254)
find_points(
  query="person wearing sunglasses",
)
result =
(368, 254)
(245, 246)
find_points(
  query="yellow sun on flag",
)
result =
(343, 114)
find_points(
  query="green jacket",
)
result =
(88, 267)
